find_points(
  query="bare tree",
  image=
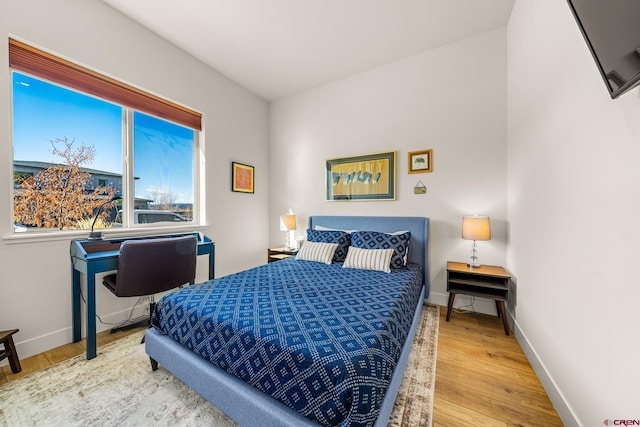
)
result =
(57, 197)
(163, 199)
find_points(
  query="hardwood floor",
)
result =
(482, 375)
(58, 354)
(484, 379)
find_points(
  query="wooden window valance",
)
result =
(29, 59)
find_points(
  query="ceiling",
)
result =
(276, 48)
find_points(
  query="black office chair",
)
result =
(151, 266)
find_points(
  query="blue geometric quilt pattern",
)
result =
(319, 338)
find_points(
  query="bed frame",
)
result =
(248, 406)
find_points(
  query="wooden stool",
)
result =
(6, 338)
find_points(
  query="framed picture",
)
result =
(242, 178)
(420, 161)
(366, 177)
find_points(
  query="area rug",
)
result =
(118, 388)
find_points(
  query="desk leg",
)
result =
(212, 257)
(76, 321)
(452, 297)
(91, 312)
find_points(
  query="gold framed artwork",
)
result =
(421, 161)
(366, 177)
(242, 178)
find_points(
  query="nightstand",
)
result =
(277, 254)
(487, 281)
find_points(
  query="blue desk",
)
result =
(96, 256)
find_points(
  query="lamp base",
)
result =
(95, 235)
(473, 263)
(290, 243)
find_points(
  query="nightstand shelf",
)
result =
(278, 254)
(487, 281)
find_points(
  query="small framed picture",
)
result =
(420, 161)
(242, 178)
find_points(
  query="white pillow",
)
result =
(317, 251)
(322, 227)
(395, 233)
(369, 259)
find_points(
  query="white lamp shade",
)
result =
(476, 228)
(288, 222)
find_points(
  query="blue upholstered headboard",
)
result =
(418, 226)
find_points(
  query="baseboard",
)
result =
(40, 344)
(133, 323)
(562, 407)
(63, 336)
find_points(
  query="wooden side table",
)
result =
(6, 338)
(487, 281)
(278, 254)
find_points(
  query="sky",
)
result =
(163, 151)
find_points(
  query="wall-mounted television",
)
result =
(611, 29)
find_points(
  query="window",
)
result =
(20, 176)
(163, 164)
(68, 144)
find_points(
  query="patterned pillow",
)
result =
(317, 251)
(369, 259)
(399, 242)
(332, 236)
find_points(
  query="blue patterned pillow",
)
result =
(340, 237)
(378, 240)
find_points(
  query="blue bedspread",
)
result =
(322, 339)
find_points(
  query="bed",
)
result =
(323, 369)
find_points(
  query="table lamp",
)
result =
(288, 224)
(97, 235)
(475, 228)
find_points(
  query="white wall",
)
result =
(35, 276)
(451, 99)
(572, 206)
(567, 175)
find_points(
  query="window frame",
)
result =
(27, 59)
